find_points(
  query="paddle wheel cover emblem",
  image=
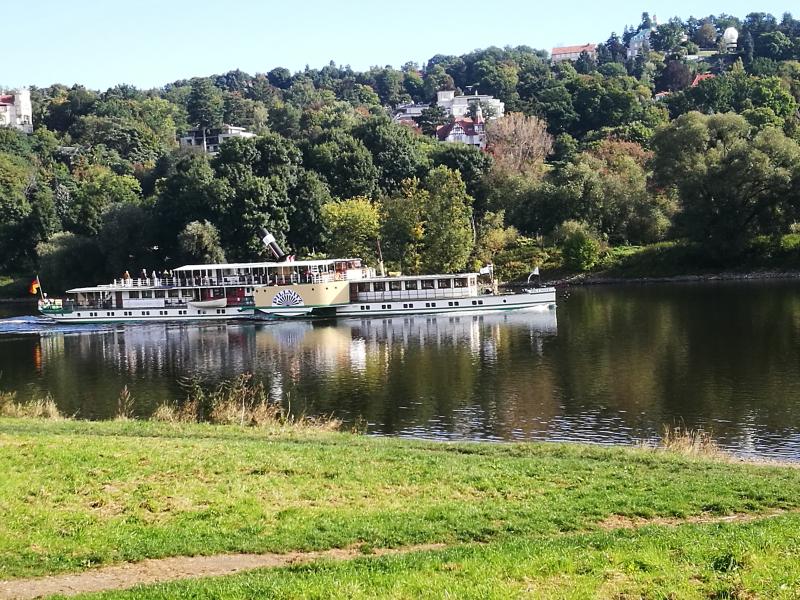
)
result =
(287, 298)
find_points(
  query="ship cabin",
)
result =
(230, 285)
(415, 287)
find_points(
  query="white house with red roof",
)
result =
(572, 52)
(465, 130)
(16, 110)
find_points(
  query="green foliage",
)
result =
(352, 227)
(199, 244)
(733, 183)
(205, 104)
(448, 238)
(579, 246)
(324, 133)
(345, 164)
(67, 260)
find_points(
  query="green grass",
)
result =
(694, 561)
(79, 494)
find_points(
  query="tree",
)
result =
(733, 183)
(67, 260)
(396, 152)
(472, 164)
(99, 188)
(306, 198)
(706, 36)
(492, 237)
(448, 239)
(430, 119)
(205, 105)
(126, 238)
(352, 228)
(402, 227)
(579, 246)
(199, 243)
(519, 143)
(345, 164)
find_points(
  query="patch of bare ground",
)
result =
(162, 570)
(623, 522)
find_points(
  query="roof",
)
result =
(573, 49)
(466, 124)
(263, 265)
(701, 77)
(6, 98)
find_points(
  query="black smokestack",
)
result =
(269, 242)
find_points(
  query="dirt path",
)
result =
(161, 570)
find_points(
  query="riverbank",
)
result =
(506, 519)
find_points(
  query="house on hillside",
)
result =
(563, 53)
(16, 110)
(213, 138)
(465, 130)
(405, 114)
(458, 106)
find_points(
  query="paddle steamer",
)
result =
(285, 288)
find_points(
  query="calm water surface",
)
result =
(610, 365)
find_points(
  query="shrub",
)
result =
(579, 246)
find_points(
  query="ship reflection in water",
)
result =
(470, 376)
(617, 364)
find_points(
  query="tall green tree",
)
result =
(352, 227)
(733, 183)
(448, 238)
(205, 105)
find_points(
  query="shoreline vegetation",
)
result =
(486, 520)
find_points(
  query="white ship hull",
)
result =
(536, 298)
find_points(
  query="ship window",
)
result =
(480, 301)
(460, 282)
(363, 286)
(379, 286)
(456, 303)
(159, 293)
(411, 285)
(173, 293)
(433, 304)
(133, 294)
(147, 294)
(444, 284)
(427, 284)
(79, 314)
(474, 303)
(427, 305)
(395, 286)
(362, 308)
(449, 304)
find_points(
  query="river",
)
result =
(612, 364)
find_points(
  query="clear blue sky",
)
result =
(148, 43)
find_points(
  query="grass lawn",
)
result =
(694, 561)
(75, 495)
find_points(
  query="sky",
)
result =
(148, 43)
